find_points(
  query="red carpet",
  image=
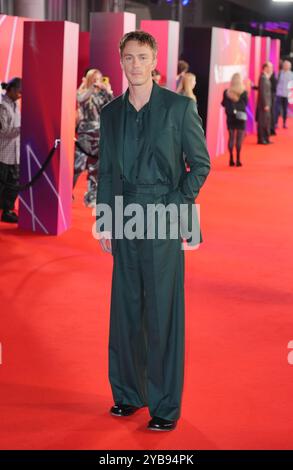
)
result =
(238, 383)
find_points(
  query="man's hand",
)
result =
(105, 241)
(266, 108)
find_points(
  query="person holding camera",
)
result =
(235, 100)
(93, 94)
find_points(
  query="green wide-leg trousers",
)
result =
(146, 342)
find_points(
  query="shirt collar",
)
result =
(131, 108)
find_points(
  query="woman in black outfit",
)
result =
(235, 100)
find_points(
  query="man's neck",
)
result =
(140, 95)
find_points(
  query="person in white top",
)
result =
(283, 88)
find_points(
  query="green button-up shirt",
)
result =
(140, 164)
(136, 145)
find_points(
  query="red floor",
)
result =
(238, 392)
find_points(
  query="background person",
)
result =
(156, 76)
(264, 100)
(188, 85)
(9, 148)
(182, 69)
(92, 95)
(282, 93)
(235, 100)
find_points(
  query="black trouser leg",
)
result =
(277, 109)
(263, 128)
(284, 104)
(8, 174)
(239, 140)
(231, 142)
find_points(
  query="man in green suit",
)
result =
(144, 134)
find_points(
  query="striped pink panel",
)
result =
(48, 112)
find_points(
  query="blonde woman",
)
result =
(182, 69)
(188, 84)
(235, 100)
(92, 95)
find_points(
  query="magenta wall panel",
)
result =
(265, 49)
(48, 113)
(106, 31)
(254, 74)
(230, 53)
(167, 35)
(275, 51)
(83, 54)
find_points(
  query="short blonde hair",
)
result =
(90, 77)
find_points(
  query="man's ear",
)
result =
(155, 61)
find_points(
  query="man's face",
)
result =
(286, 65)
(266, 71)
(270, 68)
(138, 62)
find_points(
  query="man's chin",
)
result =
(137, 83)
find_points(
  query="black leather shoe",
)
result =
(231, 162)
(238, 163)
(9, 217)
(160, 424)
(123, 410)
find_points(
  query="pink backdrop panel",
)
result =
(275, 52)
(48, 113)
(11, 46)
(106, 31)
(254, 74)
(83, 54)
(265, 49)
(167, 35)
(230, 53)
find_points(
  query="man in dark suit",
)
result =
(143, 136)
(274, 82)
(264, 103)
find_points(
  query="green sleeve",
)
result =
(197, 157)
(195, 149)
(104, 193)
